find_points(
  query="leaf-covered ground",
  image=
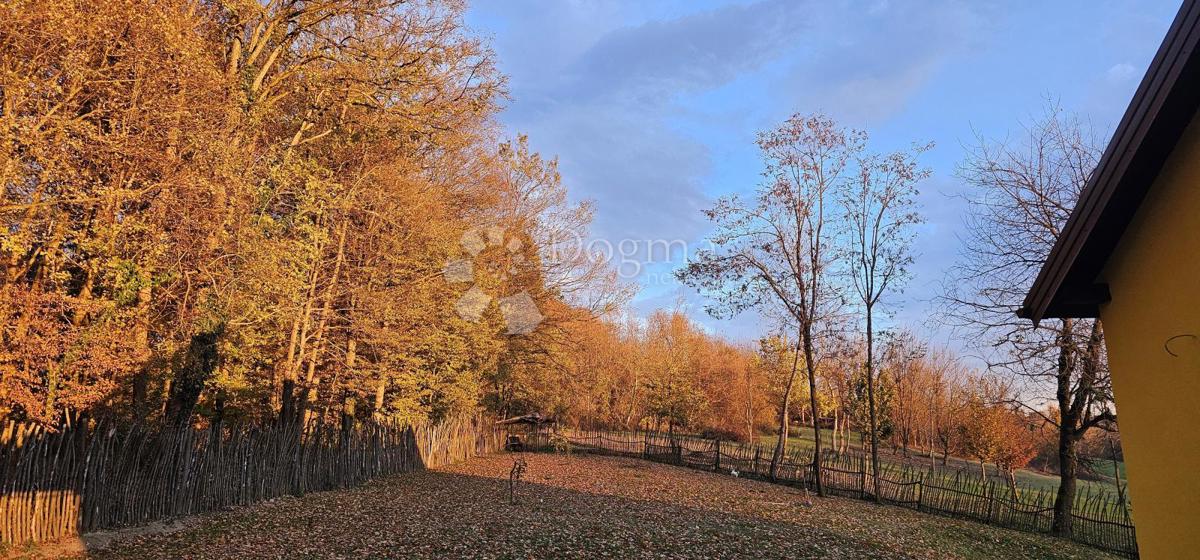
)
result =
(582, 507)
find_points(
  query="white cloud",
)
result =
(864, 67)
(1121, 72)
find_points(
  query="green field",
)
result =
(801, 439)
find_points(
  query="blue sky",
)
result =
(652, 107)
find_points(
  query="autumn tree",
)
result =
(245, 210)
(904, 357)
(992, 431)
(541, 256)
(751, 391)
(952, 401)
(1017, 446)
(109, 163)
(779, 359)
(863, 399)
(659, 372)
(842, 361)
(977, 437)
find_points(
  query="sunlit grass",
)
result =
(801, 439)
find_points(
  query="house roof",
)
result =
(535, 419)
(1163, 106)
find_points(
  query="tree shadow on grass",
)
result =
(458, 515)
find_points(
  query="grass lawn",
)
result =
(582, 507)
(802, 438)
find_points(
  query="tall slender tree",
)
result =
(774, 250)
(881, 213)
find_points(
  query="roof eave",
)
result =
(1160, 110)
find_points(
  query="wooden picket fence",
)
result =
(1106, 526)
(56, 484)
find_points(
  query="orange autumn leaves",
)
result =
(242, 210)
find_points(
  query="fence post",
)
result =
(718, 459)
(862, 479)
(920, 490)
(990, 492)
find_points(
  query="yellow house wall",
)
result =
(1154, 277)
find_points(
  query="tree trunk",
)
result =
(1064, 502)
(351, 358)
(833, 442)
(310, 380)
(218, 416)
(749, 409)
(782, 435)
(288, 410)
(932, 429)
(141, 340)
(199, 363)
(783, 417)
(348, 416)
(283, 379)
(812, 397)
(380, 389)
(871, 405)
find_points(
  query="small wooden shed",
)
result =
(531, 431)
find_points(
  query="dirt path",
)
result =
(580, 507)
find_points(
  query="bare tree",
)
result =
(881, 212)
(1021, 194)
(774, 250)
